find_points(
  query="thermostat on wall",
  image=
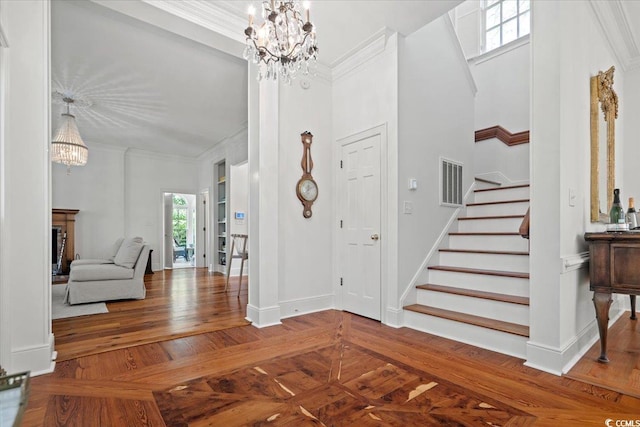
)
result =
(239, 215)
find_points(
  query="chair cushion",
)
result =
(85, 273)
(115, 248)
(129, 251)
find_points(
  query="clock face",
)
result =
(308, 190)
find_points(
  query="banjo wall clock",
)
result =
(307, 188)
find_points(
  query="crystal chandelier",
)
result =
(285, 43)
(67, 146)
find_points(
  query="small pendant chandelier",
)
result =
(67, 146)
(284, 43)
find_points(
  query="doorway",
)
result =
(179, 230)
(360, 219)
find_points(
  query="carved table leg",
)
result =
(602, 302)
(633, 307)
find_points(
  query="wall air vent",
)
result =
(450, 183)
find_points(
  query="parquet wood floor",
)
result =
(328, 368)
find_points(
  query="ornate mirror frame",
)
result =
(603, 95)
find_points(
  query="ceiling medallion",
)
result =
(284, 43)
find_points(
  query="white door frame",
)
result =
(388, 254)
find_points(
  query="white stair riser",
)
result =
(502, 342)
(509, 225)
(504, 311)
(517, 208)
(489, 243)
(504, 194)
(518, 263)
(481, 282)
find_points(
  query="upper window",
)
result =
(505, 21)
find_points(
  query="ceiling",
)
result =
(179, 91)
(167, 76)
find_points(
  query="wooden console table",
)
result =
(614, 267)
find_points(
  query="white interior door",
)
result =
(360, 213)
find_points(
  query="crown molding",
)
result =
(218, 17)
(364, 52)
(137, 152)
(614, 21)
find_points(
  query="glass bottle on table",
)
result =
(616, 214)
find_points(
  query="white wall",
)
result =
(630, 100)
(436, 120)
(238, 202)
(502, 77)
(97, 190)
(147, 177)
(25, 220)
(119, 193)
(365, 96)
(305, 268)
(567, 49)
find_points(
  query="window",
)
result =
(505, 21)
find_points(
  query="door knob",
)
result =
(375, 237)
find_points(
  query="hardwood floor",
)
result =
(179, 303)
(328, 368)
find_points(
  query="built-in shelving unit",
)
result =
(221, 216)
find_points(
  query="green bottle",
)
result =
(616, 214)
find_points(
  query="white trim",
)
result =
(361, 54)
(136, 152)
(394, 317)
(217, 17)
(559, 360)
(497, 176)
(5, 319)
(434, 249)
(460, 54)
(25, 358)
(512, 45)
(300, 306)
(574, 262)
(614, 22)
(263, 317)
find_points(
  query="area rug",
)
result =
(61, 310)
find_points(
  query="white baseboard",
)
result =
(394, 317)
(560, 360)
(263, 317)
(37, 359)
(301, 306)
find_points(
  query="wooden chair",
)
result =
(238, 241)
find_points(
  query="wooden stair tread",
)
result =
(468, 218)
(501, 188)
(497, 325)
(499, 202)
(480, 271)
(475, 294)
(474, 251)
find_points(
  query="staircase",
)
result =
(479, 291)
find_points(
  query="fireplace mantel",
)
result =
(65, 220)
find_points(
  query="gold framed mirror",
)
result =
(603, 144)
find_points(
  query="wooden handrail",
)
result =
(524, 227)
(503, 135)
